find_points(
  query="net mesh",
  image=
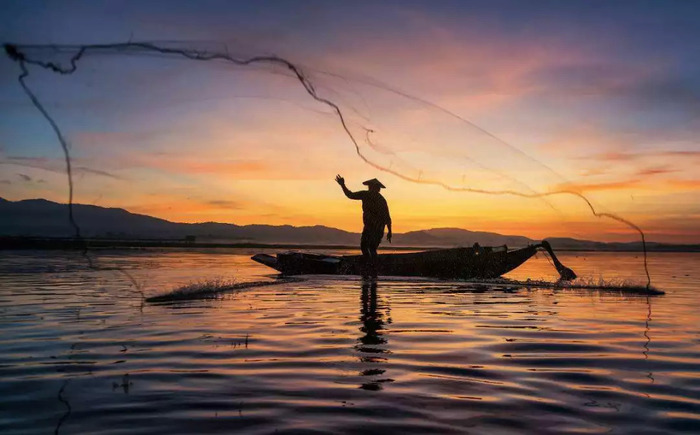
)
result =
(127, 89)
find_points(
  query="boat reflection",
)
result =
(372, 345)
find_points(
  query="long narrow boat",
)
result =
(462, 263)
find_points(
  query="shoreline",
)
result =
(27, 243)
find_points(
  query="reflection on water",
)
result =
(343, 355)
(66, 403)
(372, 345)
(647, 328)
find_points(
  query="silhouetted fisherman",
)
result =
(375, 215)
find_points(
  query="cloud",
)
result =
(684, 184)
(192, 165)
(655, 170)
(182, 208)
(640, 181)
(219, 167)
(663, 93)
(54, 165)
(594, 172)
(5, 182)
(25, 177)
(619, 156)
(271, 149)
(84, 169)
(589, 187)
(226, 204)
(612, 156)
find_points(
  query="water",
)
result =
(82, 354)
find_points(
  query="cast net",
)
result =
(173, 117)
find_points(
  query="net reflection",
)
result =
(372, 346)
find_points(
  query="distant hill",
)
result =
(458, 236)
(42, 218)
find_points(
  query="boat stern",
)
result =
(267, 260)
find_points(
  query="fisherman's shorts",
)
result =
(371, 238)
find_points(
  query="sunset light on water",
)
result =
(343, 355)
(349, 217)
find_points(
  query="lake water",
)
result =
(81, 353)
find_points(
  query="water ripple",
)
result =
(340, 356)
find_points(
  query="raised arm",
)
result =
(352, 195)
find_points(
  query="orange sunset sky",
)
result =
(604, 101)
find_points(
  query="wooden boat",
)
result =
(461, 263)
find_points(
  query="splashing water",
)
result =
(214, 288)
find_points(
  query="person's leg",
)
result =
(373, 245)
(366, 254)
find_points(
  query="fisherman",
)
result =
(375, 215)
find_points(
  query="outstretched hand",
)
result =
(340, 180)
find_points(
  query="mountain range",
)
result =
(40, 218)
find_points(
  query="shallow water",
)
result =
(81, 353)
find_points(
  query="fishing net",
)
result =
(206, 124)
